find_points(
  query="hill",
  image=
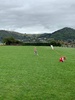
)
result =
(64, 34)
(4, 34)
(16, 35)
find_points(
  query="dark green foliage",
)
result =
(11, 41)
(54, 43)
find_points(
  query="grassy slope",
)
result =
(24, 76)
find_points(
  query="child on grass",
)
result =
(35, 51)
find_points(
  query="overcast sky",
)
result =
(36, 16)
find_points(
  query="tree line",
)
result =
(13, 41)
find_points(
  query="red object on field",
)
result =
(62, 59)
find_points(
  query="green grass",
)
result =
(25, 76)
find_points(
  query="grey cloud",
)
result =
(44, 15)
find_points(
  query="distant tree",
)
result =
(11, 41)
(55, 43)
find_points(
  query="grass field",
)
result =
(25, 76)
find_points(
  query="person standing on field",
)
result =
(52, 47)
(35, 51)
